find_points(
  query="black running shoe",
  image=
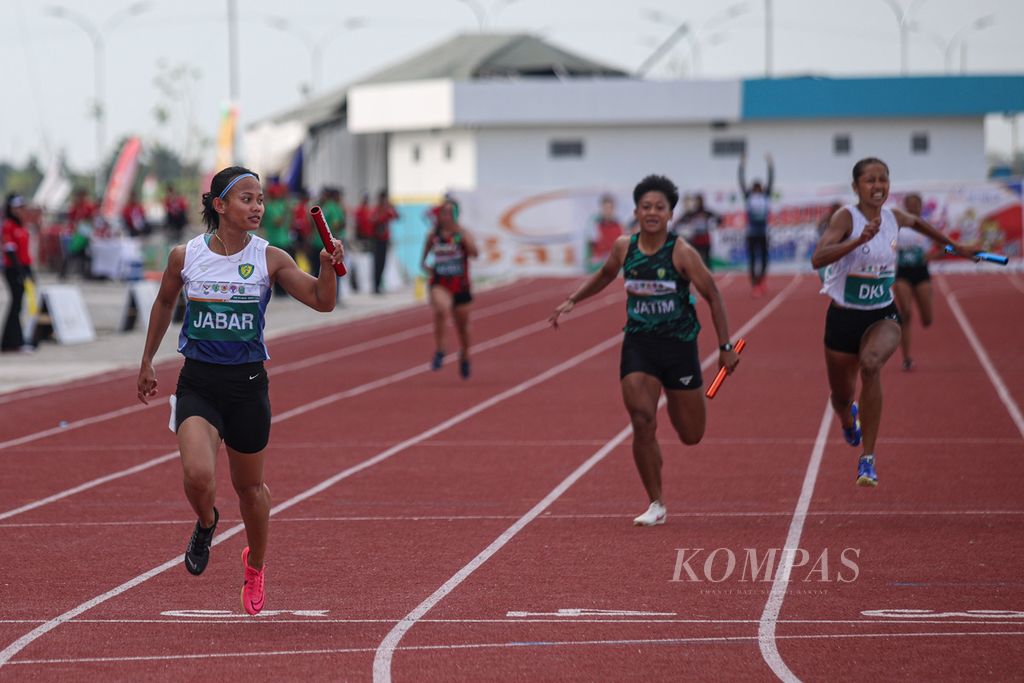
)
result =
(198, 552)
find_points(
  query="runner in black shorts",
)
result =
(862, 326)
(913, 281)
(234, 399)
(227, 276)
(659, 350)
(446, 255)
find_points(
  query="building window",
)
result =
(728, 147)
(448, 151)
(415, 154)
(565, 149)
(919, 143)
(841, 144)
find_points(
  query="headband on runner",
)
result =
(232, 183)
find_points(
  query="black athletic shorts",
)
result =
(675, 363)
(232, 398)
(845, 327)
(461, 298)
(915, 275)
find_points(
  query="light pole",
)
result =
(903, 19)
(961, 34)
(481, 12)
(96, 36)
(315, 45)
(685, 30)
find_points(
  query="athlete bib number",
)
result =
(222, 321)
(868, 291)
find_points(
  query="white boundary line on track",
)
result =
(239, 619)
(514, 644)
(274, 370)
(385, 651)
(766, 636)
(990, 369)
(595, 515)
(25, 640)
(418, 369)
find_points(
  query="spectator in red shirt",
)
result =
(364, 223)
(176, 210)
(383, 214)
(17, 267)
(134, 217)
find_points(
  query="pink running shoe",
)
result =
(253, 596)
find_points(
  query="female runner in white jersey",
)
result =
(228, 274)
(862, 326)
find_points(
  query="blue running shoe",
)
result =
(866, 475)
(464, 368)
(852, 434)
(437, 361)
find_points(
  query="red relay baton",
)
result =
(722, 374)
(325, 236)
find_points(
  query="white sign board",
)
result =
(64, 309)
(138, 304)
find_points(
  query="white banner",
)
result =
(557, 232)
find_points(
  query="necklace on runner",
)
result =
(225, 248)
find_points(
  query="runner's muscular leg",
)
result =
(461, 315)
(687, 411)
(878, 344)
(842, 383)
(253, 501)
(441, 303)
(640, 394)
(198, 441)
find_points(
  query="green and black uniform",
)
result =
(661, 326)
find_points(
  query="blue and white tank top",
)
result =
(226, 302)
(863, 278)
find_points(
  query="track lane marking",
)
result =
(512, 644)
(766, 635)
(420, 368)
(979, 350)
(385, 651)
(274, 370)
(7, 653)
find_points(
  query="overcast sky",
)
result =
(48, 61)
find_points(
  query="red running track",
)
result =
(480, 530)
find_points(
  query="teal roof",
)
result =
(815, 98)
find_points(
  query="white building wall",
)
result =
(423, 165)
(802, 151)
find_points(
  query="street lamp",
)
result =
(96, 36)
(961, 34)
(481, 12)
(315, 45)
(685, 30)
(903, 19)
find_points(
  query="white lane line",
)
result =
(418, 369)
(236, 618)
(385, 651)
(766, 636)
(990, 369)
(508, 645)
(548, 516)
(25, 640)
(274, 370)
(126, 373)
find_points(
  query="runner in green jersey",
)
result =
(659, 349)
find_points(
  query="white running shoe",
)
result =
(655, 514)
